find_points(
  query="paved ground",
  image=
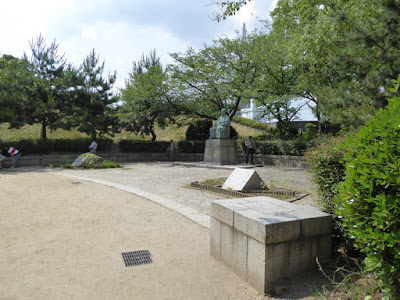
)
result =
(63, 232)
(169, 184)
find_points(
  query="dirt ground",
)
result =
(63, 238)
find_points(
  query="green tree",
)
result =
(275, 86)
(347, 49)
(218, 76)
(14, 81)
(147, 97)
(43, 92)
(90, 102)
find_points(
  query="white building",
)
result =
(252, 112)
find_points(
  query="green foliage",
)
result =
(147, 97)
(228, 8)
(327, 167)
(199, 130)
(218, 76)
(109, 164)
(272, 131)
(328, 170)
(91, 160)
(40, 146)
(90, 104)
(191, 146)
(143, 146)
(368, 198)
(279, 147)
(67, 166)
(45, 88)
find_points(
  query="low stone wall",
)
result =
(264, 240)
(276, 160)
(60, 159)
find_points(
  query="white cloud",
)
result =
(119, 30)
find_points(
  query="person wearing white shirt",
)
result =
(93, 147)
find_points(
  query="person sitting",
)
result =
(221, 128)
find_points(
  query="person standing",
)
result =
(249, 149)
(14, 153)
(171, 150)
(93, 147)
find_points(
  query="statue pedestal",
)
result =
(220, 151)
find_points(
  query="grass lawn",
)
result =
(172, 132)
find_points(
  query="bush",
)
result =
(279, 147)
(191, 146)
(328, 170)
(143, 146)
(90, 160)
(369, 196)
(199, 130)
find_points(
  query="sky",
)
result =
(120, 31)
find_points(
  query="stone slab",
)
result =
(78, 161)
(243, 179)
(270, 220)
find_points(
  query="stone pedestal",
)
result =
(220, 151)
(263, 239)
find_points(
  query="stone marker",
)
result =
(78, 161)
(243, 179)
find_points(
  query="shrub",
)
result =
(328, 170)
(91, 160)
(279, 147)
(369, 196)
(199, 130)
(191, 146)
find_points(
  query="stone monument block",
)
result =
(220, 151)
(243, 179)
(263, 239)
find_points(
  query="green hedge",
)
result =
(191, 146)
(271, 131)
(279, 147)
(143, 146)
(39, 146)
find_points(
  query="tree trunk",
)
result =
(44, 129)
(153, 134)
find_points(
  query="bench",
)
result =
(263, 239)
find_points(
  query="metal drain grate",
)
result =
(136, 258)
